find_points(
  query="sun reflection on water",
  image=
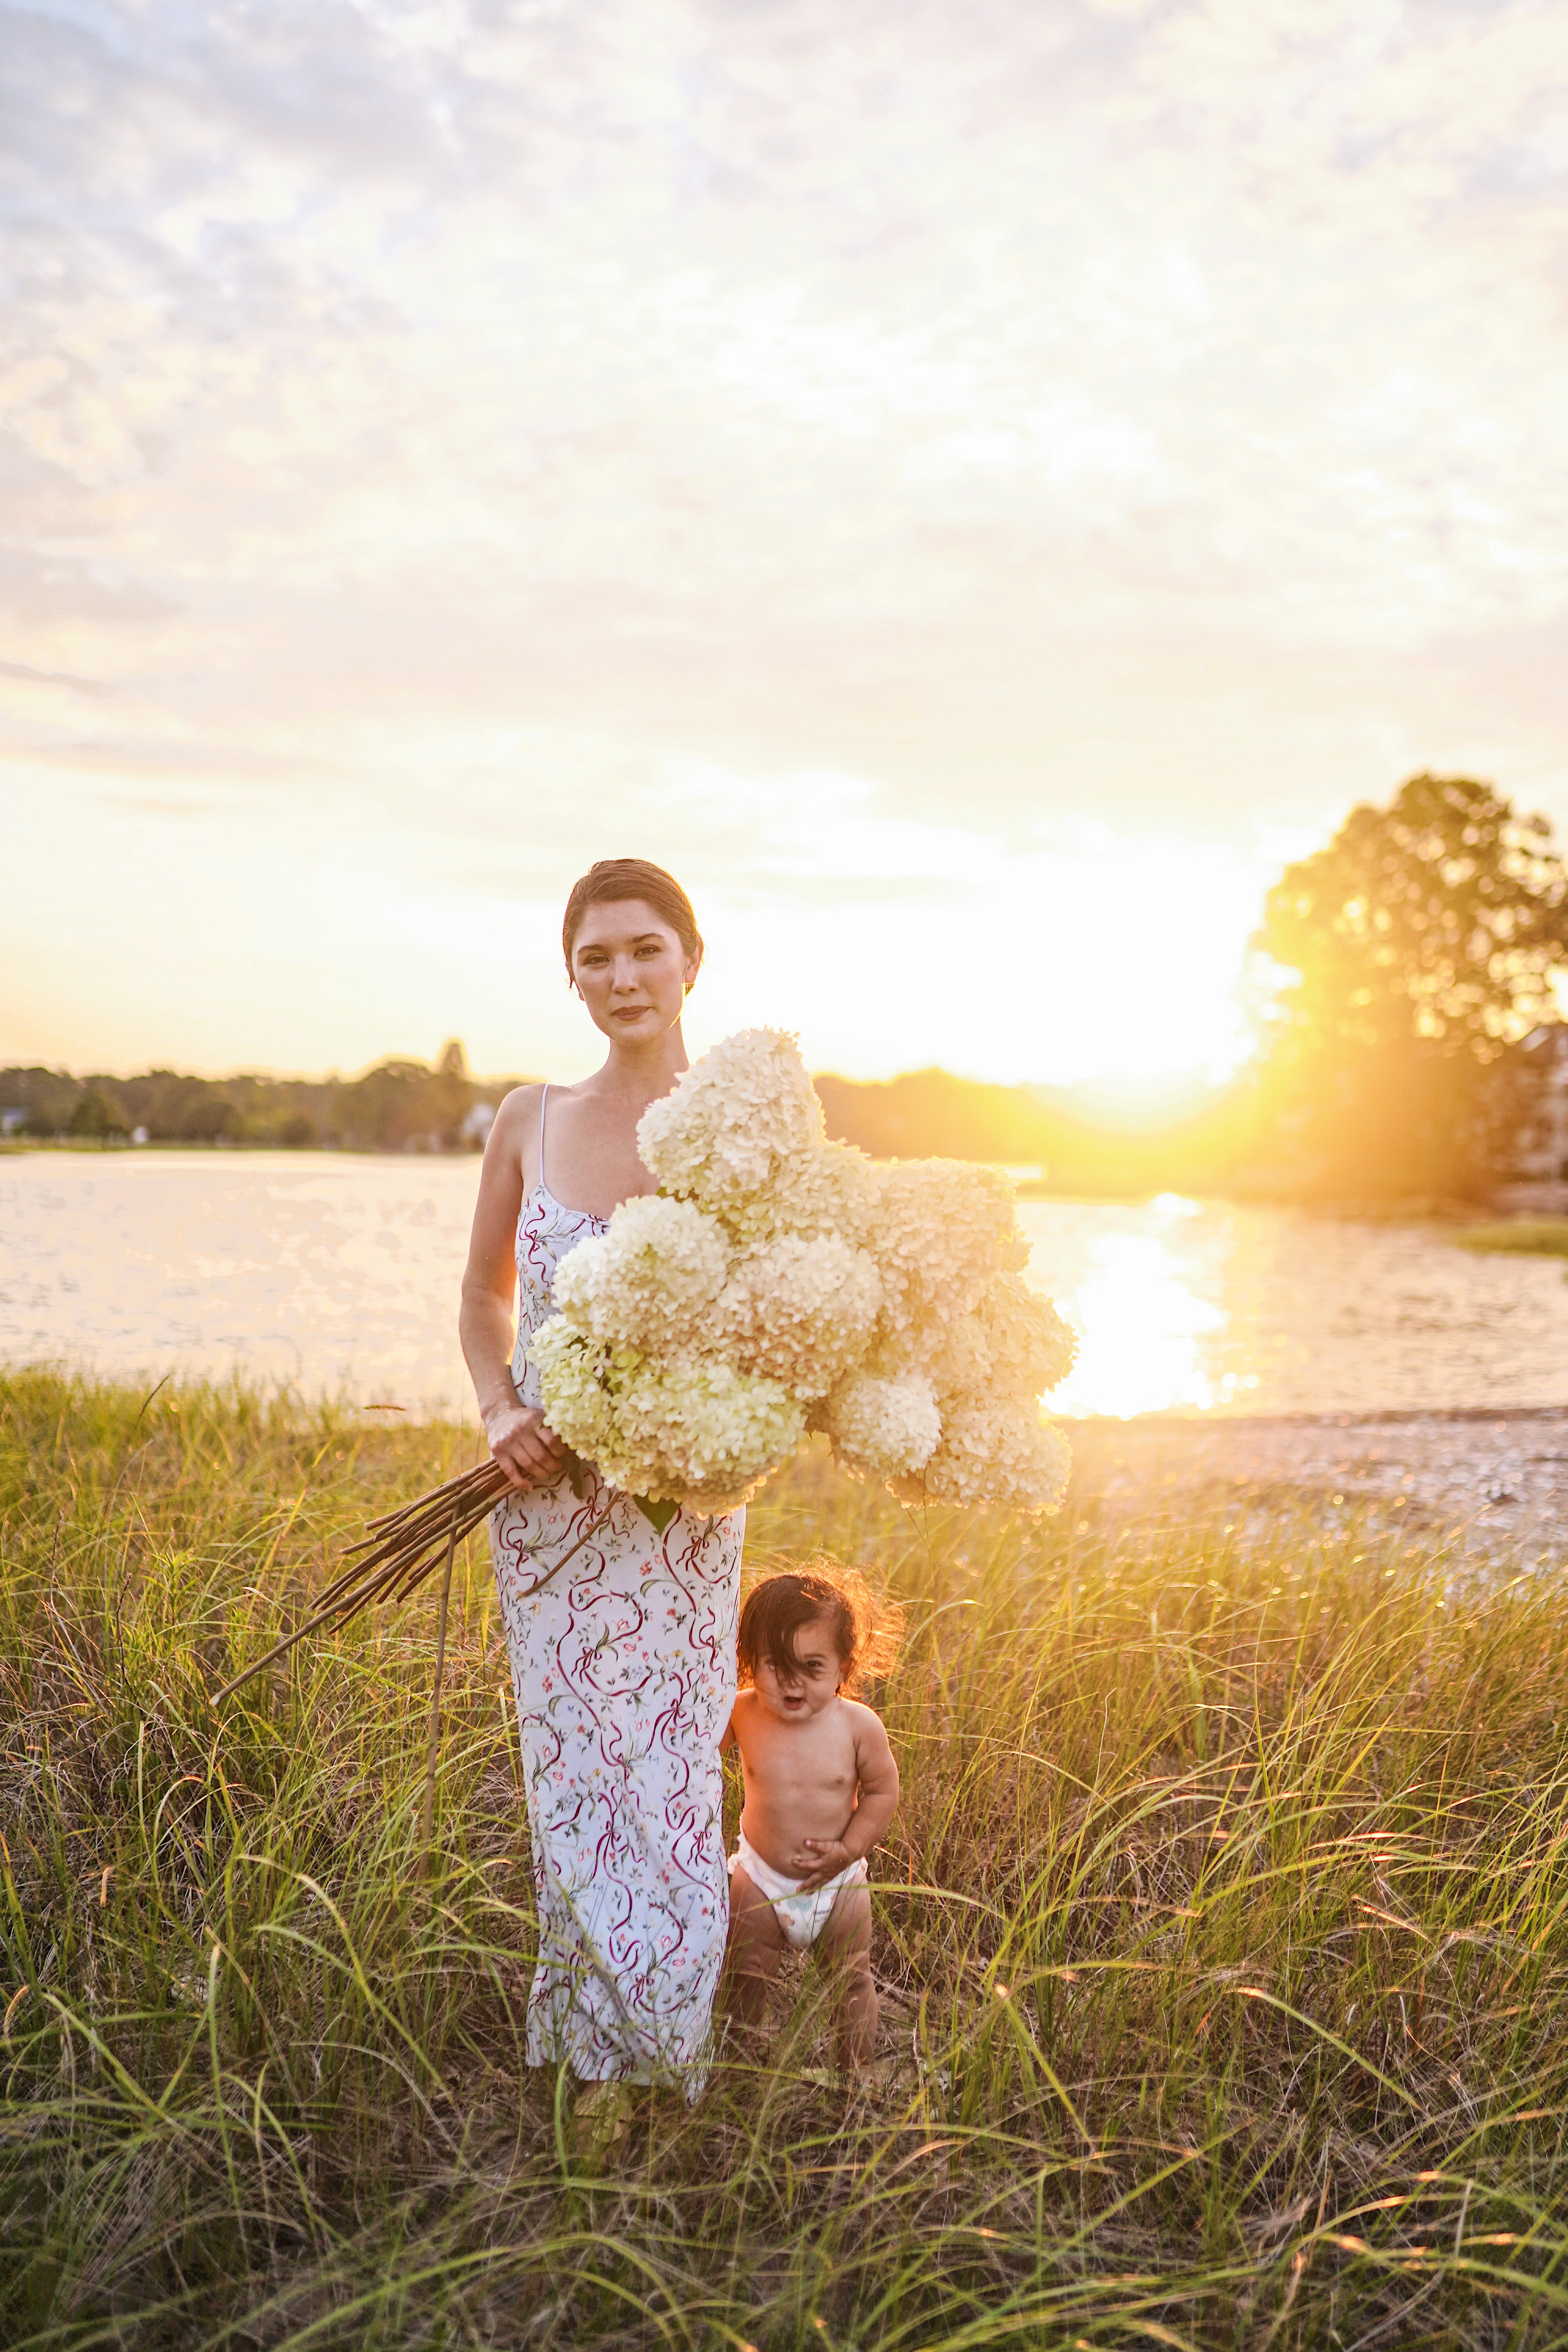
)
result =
(1141, 1326)
(1143, 1287)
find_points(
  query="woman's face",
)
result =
(630, 970)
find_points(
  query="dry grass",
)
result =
(1223, 1929)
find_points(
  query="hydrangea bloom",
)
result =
(957, 1356)
(736, 1119)
(800, 1310)
(578, 1379)
(1031, 1346)
(714, 1432)
(996, 1452)
(884, 1428)
(831, 1190)
(650, 1281)
(685, 1429)
(776, 1281)
(943, 1231)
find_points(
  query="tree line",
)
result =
(1409, 1028)
(398, 1106)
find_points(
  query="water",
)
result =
(341, 1273)
(331, 1271)
(1201, 1306)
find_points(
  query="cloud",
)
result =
(23, 672)
(464, 422)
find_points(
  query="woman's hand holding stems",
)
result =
(523, 1441)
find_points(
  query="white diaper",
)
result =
(802, 1916)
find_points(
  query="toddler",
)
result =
(821, 1788)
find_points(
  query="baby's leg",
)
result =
(756, 1946)
(845, 1945)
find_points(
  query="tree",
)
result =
(452, 1093)
(1411, 954)
(387, 1109)
(1442, 916)
(97, 1117)
(211, 1118)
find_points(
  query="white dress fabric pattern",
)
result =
(624, 1671)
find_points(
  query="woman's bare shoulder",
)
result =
(517, 1119)
(513, 1143)
(520, 1104)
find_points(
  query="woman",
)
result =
(625, 1662)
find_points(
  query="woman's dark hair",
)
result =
(630, 878)
(865, 1629)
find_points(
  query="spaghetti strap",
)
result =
(543, 1099)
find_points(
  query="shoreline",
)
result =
(1493, 1480)
(1348, 1416)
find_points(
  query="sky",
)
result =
(971, 486)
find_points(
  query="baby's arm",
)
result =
(868, 1824)
(878, 1776)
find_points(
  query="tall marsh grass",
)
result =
(1223, 1937)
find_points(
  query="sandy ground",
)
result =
(1497, 1483)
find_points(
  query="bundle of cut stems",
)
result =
(404, 1547)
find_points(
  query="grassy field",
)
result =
(1223, 1928)
(1517, 1236)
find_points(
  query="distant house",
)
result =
(476, 1127)
(10, 1120)
(1537, 1175)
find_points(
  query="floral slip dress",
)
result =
(624, 1670)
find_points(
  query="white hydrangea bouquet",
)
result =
(774, 1284)
(777, 1284)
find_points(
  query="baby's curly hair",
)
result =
(865, 1628)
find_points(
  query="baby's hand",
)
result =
(819, 1860)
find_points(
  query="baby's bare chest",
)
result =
(818, 1761)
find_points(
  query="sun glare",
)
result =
(1142, 1325)
(1112, 962)
(1147, 1287)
